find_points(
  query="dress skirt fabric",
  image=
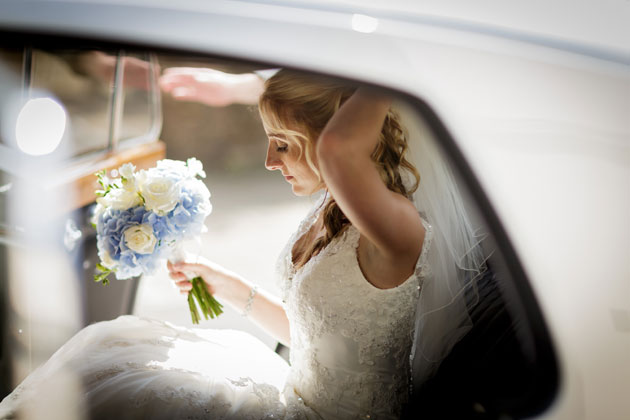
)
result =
(133, 368)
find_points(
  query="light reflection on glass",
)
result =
(40, 126)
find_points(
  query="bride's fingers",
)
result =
(184, 286)
(177, 276)
(175, 270)
(199, 269)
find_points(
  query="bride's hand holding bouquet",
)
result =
(142, 218)
(227, 285)
(219, 281)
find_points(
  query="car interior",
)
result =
(503, 368)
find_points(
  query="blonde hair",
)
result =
(298, 106)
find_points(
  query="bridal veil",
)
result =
(456, 258)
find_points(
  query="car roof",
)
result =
(599, 30)
(603, 26)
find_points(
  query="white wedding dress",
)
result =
(350, 347)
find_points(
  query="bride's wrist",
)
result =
(235, 292)
(250, 301)
(248, 88)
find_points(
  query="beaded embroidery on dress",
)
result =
(350, 346)
(350, 341)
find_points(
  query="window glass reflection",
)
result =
(81, 81)
(139, 113)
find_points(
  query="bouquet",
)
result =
(142, 218)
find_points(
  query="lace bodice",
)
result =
(350, 341)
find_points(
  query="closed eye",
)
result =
(281, 146)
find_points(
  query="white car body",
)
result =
(536, 98)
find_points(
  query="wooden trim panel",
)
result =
(81, 179)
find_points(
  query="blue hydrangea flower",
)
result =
(184, 221)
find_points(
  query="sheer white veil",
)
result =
(455, 257)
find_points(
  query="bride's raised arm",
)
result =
(386, 219)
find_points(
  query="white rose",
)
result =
(140, 239)
(106, 260)
(120, 199)
(160, 193)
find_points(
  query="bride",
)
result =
(352, 277)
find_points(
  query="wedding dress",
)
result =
(349, 358)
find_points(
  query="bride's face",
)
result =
(284, 155)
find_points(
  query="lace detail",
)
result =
(350, 341)
(284, 266)
(423, 269)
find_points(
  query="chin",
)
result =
(301, 191)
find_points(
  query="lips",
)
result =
(288, 177)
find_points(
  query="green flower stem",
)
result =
(209, 306)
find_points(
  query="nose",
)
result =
(272, 161)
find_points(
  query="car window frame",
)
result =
(523, 302)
